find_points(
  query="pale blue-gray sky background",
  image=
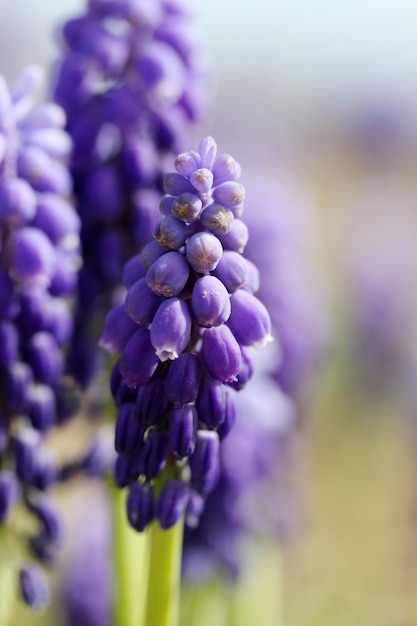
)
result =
(306, 50)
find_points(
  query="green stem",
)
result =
(131, 556)
(164, 576)
(7, 585)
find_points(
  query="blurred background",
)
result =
(321, 99)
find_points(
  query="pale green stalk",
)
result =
(7, 585)
(131, 559)
(164, 576)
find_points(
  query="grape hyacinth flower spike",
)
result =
(39, 260)
(180, 338)
(133, 81)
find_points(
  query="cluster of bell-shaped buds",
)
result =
(235, 509)
(133, 83)
(39, 260)
(183, 333)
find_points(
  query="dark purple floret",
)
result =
(140, 506)
(172, 503)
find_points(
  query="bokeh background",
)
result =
(321, 98)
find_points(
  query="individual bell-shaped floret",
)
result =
(140, 505)
(210, 302)
(249, 320)
(183, 379)
(136, 371)
(204, 462)
(168, 275)
(221, 353)
(172, 503)
(183, 430)
(171, 329)
(203, 251)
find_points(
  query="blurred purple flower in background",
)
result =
(38, 276)
(133, 81)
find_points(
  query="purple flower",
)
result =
(39, 250)
(187, 353)
(132, 95)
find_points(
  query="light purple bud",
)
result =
(202, 180)
(128, 438)
(204, 462)
(18, 379)
(161, 70)
(134, 270)
(9, 493)
(186, 163)
(153, 454)
(175, 184)
(45, 358)
(42, 410)
(208, 151)
(45, 116)
(187, 207)
(225, 168)
(151, 252)
(64, 280)
(54, 141)
(167, 204)
(237, 237)
(139, 161)
(57, 219)
(33, 256)
(17, 201)
(231, 195)
(217, 219)
(151, 403)
(221, 353)
(168, 275)
(35, 309)
(61, 323)
(171, 329)
(42, 172)
(9, 343)
(26, 444)
(118, 329)
(140, 506)
(203, 252)
(183, 379)
(138, 361)
(249, 320)
(182, 431)
(172, 503)
(210, 302)
(171, 233)
(142, 303)
(34, 587)
(232, 270)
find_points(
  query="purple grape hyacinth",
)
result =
(189, 349)
(39, 261)
(133, 81)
